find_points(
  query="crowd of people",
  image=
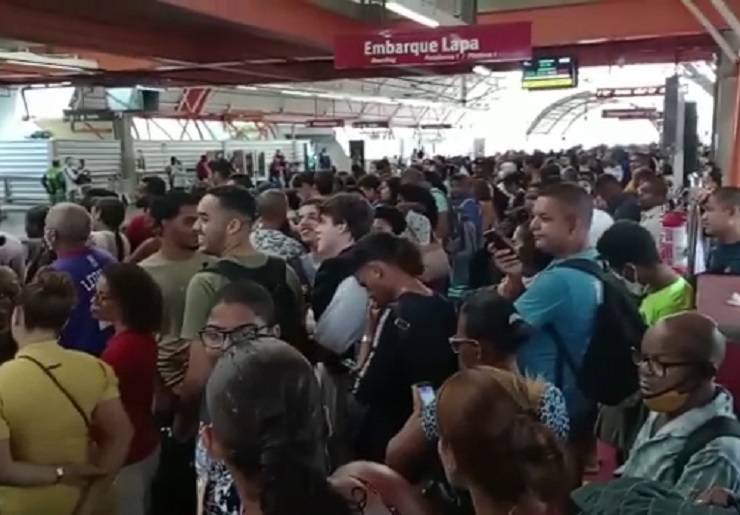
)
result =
(448, 337)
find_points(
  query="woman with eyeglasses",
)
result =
(489, 333)
(127, 298)
(244, 313)
(57, 404)
(494, 445)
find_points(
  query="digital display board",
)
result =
(550, 73)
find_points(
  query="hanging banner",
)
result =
(434, 47)
(325, 123)
(644, 91)
(379, 124)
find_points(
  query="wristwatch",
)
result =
(60, 474)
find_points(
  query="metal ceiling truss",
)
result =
(569, 110)
(727, 47)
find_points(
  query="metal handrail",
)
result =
(100, 178)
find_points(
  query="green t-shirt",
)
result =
(173, 278)
(672, 299)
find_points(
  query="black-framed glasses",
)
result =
(656, 366)
(457, 342)
(221, 339)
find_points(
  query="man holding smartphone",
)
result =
(562, 300)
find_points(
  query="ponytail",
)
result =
(538, 459)
(120, 247)
(290, 486)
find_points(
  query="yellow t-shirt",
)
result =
(42, 424)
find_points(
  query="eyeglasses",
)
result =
(221, 339)
(657, 367)
(456, 343)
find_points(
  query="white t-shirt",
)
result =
(13, 254)
(600, 222)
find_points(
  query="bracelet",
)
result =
(59, 471)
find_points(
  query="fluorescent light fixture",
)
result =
(402, 10)
(297, 93)
(482, 70)
(246, 88)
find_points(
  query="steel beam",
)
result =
(705, 22)
(728, 14)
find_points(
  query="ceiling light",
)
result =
(402, 10)
(482, 70)
(246, 88)
(297, 93)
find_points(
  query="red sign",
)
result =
(325, 123)
(648, 91)
(648, 113)
(433, 47)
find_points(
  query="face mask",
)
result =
(629, 278)
(666, 402)
(635, 288)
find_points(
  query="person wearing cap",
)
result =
(489, 333)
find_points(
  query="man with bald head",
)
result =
(67, 231)
(678, 362)
(270, 237)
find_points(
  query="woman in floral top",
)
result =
(489, 333)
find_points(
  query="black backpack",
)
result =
(271, 276)
(607, 373)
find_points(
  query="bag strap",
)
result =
(587, 266)
(562, 354)
(61, 388)
(712, 429)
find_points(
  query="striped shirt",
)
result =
(717, 465)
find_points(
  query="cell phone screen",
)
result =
(426, 394)
(499, 242)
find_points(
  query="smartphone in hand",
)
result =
(498, 240)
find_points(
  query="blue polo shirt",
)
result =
(82, 331)
(566, 300)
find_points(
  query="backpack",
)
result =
(462, 243)
(271, 276)
(700, 437)
(463, 233)
(607, 373)
(637, 496)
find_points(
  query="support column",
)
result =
(733, 177)
(726, 110)
(122, 130)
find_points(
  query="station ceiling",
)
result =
(192, 42)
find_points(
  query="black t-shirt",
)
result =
(725, 259)
(627, 207)
(413, 347)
